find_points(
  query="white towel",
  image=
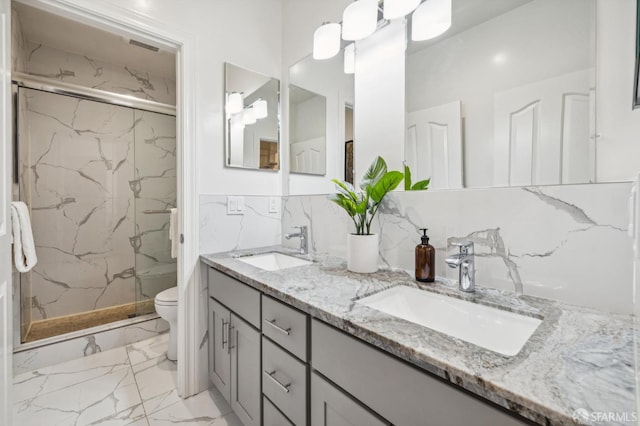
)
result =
(173, 228)
(24, 249)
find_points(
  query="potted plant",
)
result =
(362, 246)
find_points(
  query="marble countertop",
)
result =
(578, 361)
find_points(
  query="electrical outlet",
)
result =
(274, 204)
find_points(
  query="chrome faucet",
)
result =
(304, 246)
(466, 262)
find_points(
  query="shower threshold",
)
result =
(47, 328)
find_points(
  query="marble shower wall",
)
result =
(48, 62)
(566, 243)
(18, 44)
(85, 169)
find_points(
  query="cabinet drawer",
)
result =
(402, 394)
(271, 416)
(284, 382)
(286, 326)
(239, 297)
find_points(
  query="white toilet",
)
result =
(166, 303)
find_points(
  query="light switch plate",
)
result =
(274, 204)
(235, 205)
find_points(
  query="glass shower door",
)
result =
(154, 190)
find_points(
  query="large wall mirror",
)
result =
(252, 125)
(321, 102)
(506, 97)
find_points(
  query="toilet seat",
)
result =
(167, 297)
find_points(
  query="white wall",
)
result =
(618, 147)
(308, 121)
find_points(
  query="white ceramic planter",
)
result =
(362, 253)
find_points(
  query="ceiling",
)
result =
(41, 27)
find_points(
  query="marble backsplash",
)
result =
(567, 243)
(220, 231)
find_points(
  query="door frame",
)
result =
(6, 179)
(118, 19)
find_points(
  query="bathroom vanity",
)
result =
(292, 347)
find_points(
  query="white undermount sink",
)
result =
(494, 329)
(273, 261)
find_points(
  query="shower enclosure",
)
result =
(99, 180)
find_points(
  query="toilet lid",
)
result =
(168, 295)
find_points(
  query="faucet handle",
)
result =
(465, 246)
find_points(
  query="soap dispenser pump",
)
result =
(425, 259)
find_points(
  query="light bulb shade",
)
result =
(260, 109)
(360, 19)
(350, 59)
(249, 116)
(326, 41)
(398, 8)
(431, 19)
(234, 102)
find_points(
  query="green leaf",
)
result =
(389, 182)
(346, 203)
(407, 177)
(346, 189)
(421, 185)
(374, 173)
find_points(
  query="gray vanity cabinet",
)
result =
(234, 345)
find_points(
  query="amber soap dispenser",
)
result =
(425, 259)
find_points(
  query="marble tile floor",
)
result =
(132, 385)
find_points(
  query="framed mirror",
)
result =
(252, 124)
(506, 97)
(307, 131)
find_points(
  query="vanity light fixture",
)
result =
(234, 102)
(398, 8)
(431, 19)
(260, 108)
(350, 59)
(326, 41)
(359, 19)
(249, 116)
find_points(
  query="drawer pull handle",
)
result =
(277, 382)
(273, 324)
